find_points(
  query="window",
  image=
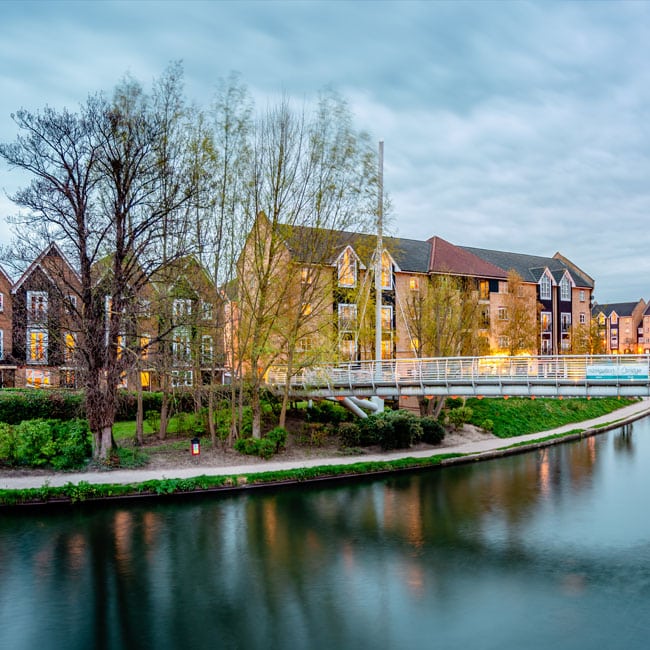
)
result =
(37, 378)
(2, 344)
(387, 318)
(483, 290)
(182, 378)
(502, 313)
(145, 379)
(503, 286)
(145, 343)
(306, 275)
(144, 308)
(347, 317)
(181, 351)
(601, 319)
(414, 284)
(347, 348)
(545, 287)
(387, 348)
(206, 349)
(565, 289)
(347, 268)
(305, 344)
(181, 307)
(485, 317)
(306, 308)
(67, 378)
(613, 319)
(69, 347)
(565, 322)
(582, 295)
(520, 291)
(546, 320)
(36, 346)
(37, 306)
(121, 341)
(583, 318)
(206, 310)
(386, 272)
(415, 345)
(2, 302)
(71, 303)
(504, 342)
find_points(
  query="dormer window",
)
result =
(545, 287)
(565, 289)
(347, 269)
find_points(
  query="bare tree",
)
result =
(98, 179)
(311, 173)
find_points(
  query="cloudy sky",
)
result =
(519, 126)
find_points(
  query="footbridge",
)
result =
(492, 376)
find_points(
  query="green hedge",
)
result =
(17, 405)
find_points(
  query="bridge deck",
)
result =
(570, 376)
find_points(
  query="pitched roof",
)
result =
(621, 308)
(447, 258)
(52, 251)
(531, 267)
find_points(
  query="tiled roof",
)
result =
(529, 267)
(621, 308)
(447, 258)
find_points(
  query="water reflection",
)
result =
(472, 556)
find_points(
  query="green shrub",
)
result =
(454, 403)
(328, 412)
(487, 424)
(459, 416)
(390, 430)
(278, 436)
(433, 432)
(349, 434)
(7, 444)
(34, 443)
(73, 443)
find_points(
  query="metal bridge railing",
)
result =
(477, 371)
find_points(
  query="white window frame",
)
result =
(565, 289)
(2, 301)
(565, 322)
(414, 283)
(36, 330)
(182, 378)
(207, 349)
(550, 321)
(502, 314)
(582, 295)
(583, 318)
(386, 268)
(389, 310)
(181, 345)
(181, 307)
(38, 314)
(349, 254)
(37, 377)
(545, 286)
(2, 344)
(350, 324)
(207, 311)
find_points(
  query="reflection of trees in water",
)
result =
(624, 440)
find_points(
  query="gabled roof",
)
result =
(51, 251)
(621, 308)
(531, 267)
(309, 244)
(447, 258)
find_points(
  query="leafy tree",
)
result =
(519, 325)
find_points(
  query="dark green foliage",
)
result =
(17, 405)
(278, 436)
(265, 447)
(328, 412)
(518, 416)
(433, 432)
(390, 430)
(35, 443)
(350, 435)
(454, 403)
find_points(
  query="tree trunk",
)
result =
(104, 444)
(256, 409)
(164, 415)
(139, 417)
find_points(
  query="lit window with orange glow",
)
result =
(386, 272)
(347, 269)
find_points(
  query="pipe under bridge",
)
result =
(493, 376)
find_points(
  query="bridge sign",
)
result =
(609, 371)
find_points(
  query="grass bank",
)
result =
(519, 416)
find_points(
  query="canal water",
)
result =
(549, 549)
